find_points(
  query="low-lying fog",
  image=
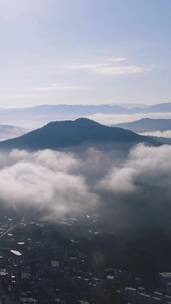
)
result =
(129, 191)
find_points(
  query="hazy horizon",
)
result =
(123, 104)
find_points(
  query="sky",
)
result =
(84, 52)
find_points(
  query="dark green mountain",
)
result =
(63, 134)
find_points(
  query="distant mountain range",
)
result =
(162, 107)
(7, 131)
(146, 125)
(64, 134)
(39, 115)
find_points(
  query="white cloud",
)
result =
(124, 188)
(166, 134)
(145, 166)
(44, 181)
(110, 67)
(116, 59)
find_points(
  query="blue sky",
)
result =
(84, 51)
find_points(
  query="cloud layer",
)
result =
(43, 181)
(166, 134)
(128, 191)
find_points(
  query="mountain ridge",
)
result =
(42, 114)
(63, 134)
(146, 125)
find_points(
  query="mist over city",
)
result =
(85, 152)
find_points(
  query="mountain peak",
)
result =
(79, 122)
(85, 121)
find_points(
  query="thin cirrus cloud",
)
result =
(116, 59)
(58, 86)
(110, 67)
